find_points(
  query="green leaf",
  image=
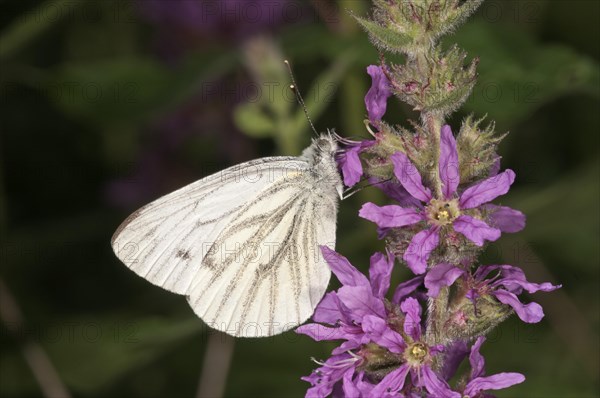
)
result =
(519, 75)
(26, 28)
(252, 120)
(110, 91)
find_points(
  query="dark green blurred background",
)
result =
(106, 105)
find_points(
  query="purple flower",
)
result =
(478, 383)
(464, 214)
(329, 374)
(345, 310)
(376, 98)
(358, 315)
(223, 16)
(357, 298)
(349, 160)
(505, 286)
(417, 356)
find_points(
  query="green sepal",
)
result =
(385, 38)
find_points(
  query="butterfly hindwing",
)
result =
(265, 274)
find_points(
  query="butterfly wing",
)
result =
(265, 273)
(166, 241)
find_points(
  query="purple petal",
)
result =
(409, 177)
(341, 267)
(530, 313)
(505, 219)
(348, 345)
(449, 170)
(396, 192)
(390, 216)
(487, 190)
(360, 300)
(514, 280)
(437, 349)
(453, 357)
(380, 272)
(364, 387)
(412, 322)
(350, 389)
(325, 377)
(421, 246)
(495, 169)
(494, 382)
(441, 275)
(376, 98)
(483, 271)
(510, 285)
(330, 310)
(319, 332)
(379, 332)
(393, 382)
(436, 386)
(351, 166)
(475, 230)
(406, 288)
(476, 359)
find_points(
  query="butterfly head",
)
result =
(322, 150)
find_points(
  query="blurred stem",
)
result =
(3, 206)
(351, 101)
(43, 371)
(215, 367)
(433, 123)
(32, 24)
(436, 315)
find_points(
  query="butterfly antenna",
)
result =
(296, 90)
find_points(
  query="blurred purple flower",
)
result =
(183, 25)
(449, 211)
(234, 17)
(378, 94)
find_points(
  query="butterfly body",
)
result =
(243, 244)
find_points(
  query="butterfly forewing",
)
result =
(265, 273)
(166, 240)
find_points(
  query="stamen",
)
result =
(339, 364)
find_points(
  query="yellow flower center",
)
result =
(442, 212)
(443, 215)
(416, 353)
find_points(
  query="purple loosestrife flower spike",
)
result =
(378, 94)
(459, 213)
(439, 218)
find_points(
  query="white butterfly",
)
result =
(243, 244)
